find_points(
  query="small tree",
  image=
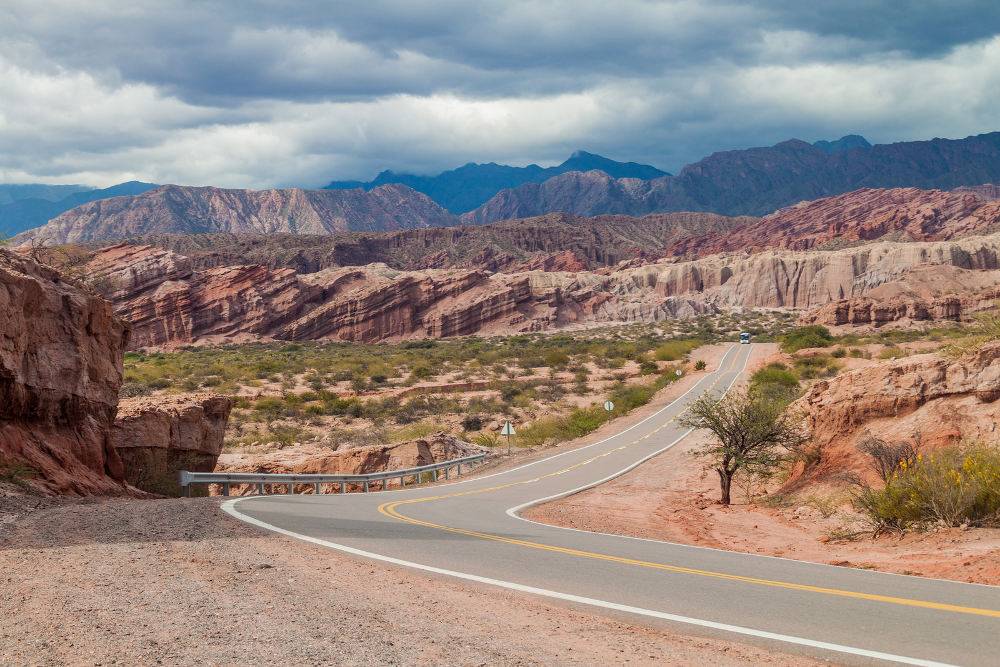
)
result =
(753, 432)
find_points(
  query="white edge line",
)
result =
(229, 508)
(515, 512)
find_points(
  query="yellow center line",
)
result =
(389, 509)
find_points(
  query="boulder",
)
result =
(156, 437)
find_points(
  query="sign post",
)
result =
(679, 372)
(609, 406)
(507, 430)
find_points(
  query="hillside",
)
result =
(758, 181)
(27, 206)
(195, 210)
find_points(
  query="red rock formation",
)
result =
(156, 437)
(307, 459)
(986, 192)
(940, 399)
(61, 353)
(855, 217)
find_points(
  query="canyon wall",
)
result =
(61, 350)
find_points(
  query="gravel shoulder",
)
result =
(177, 581)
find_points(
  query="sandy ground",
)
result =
(674, 498)
(178, 582)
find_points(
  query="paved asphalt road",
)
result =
(470, 530)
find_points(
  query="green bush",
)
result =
(700, 365)
(675, 349)
(803, 337)
(952, 486)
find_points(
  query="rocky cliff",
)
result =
(199, 210)
(925, 293)
(503, 246)
(61, 351)
(928, 397)
(156, 437)
(303, 460)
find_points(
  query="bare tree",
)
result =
(753, 432)
(887, 457)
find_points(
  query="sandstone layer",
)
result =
(926, 397)
(156, 437)
(925, 293)
(305, 459)
(61, 350)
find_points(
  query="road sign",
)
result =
(609, 406)
(507, 430)
(679, 372)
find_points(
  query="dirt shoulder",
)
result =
(673, 498)
(179, 582)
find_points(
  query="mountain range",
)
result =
(755, 182)
(468, 187)
(27, 206)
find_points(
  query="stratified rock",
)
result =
(856, 217)
(308, 459)
(61, 350)
(156, 437)
(928, 397)
(925, 293)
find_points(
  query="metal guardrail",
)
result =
(186, 478)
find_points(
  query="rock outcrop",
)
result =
(307, 459)
(199, 210)
(61, 350)
(853, 218)
(156, 437)
(925, 293)
(927, 396)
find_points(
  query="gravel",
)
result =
(176, 582)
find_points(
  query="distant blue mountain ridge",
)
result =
(468, 187)
(25, 206)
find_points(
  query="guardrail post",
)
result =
(446, 473)
(434, 475)
(343, 487)
(317, 488)
(290, 488)
(366, 486)
(260, 489)
(402, 481)
(459, 469)
(225, 488)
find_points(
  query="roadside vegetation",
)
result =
(346, 395)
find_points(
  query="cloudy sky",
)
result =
(255, 93)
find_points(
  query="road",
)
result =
(471, 530)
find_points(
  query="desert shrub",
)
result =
(472, 422)
(886, 458)
(16, 472)
(803, 337)
(133, 389)
(892, 352)
(509, 392)
(675, 350)
(700, 365)
(556, 359)
(648, 367)
(952, 486)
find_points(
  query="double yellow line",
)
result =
(389, 509)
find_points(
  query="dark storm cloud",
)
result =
(261, 93)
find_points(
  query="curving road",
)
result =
(471, 530)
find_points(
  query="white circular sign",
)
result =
(609, 406)
(679, 372)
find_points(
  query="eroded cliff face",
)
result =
(779, 278)
(926, 397)
(156, 437)
(61, 350)
(926, 293)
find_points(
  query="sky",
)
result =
(259, 94)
